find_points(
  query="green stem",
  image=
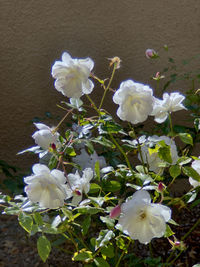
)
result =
(157, 85)
(123, 153)
(170, 123)
(71, 238)
(93, 104)
(139, 148)
(55, 130)
(191, 229)
(151, 250)
(170, 264)
(108, 86)
(122, 255)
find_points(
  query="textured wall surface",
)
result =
(35, 33)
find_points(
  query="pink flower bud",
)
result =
(157, 74)
(115, 212)
(177, 243)
(161, 187)
(151, 53)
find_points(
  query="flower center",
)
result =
(142, 215)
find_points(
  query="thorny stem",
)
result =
(123, 153)
(108, 86)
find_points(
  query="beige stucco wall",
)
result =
(35, 33)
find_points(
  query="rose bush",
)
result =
(94, 194)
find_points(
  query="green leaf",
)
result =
(26, 221)
(89, 146)
(168, 231)
(108, 251)
(100, 262)
(190, 172)
(184, 160)
(109, 127)
(38, 218)
(44, 247)
(70, 151)
(88, 210)
(112, 186)
(12, 210)
(165, 154)
(107, 169)
(98, 200)
(103, 141)
(186, 138)
(104, 237)
(52, 163)
(175, 171)
(173, 222)
(97, 170)
(82, 255)
(109, 222)
(94, 188)
(86, 225)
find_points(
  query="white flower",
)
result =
(141, 219)
(79, 184)
(72, 76)
(46, 187)
(170, 103)
(154, 160)
(135, 101)
(196, 167)
(45, 136)
(88, 161)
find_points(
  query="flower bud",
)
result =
(151, 53)
(115, 212)
(77, 192)
(161, 187)
(176, 244)
(53, 146)
(158, 76)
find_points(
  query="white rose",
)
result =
(196, 167)
(46, 187)
(72, 76)
(45, 137)
(84, 160)
(79, 185)
(141, 219)
(135, 101)
(154, 160)
(170, 103)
